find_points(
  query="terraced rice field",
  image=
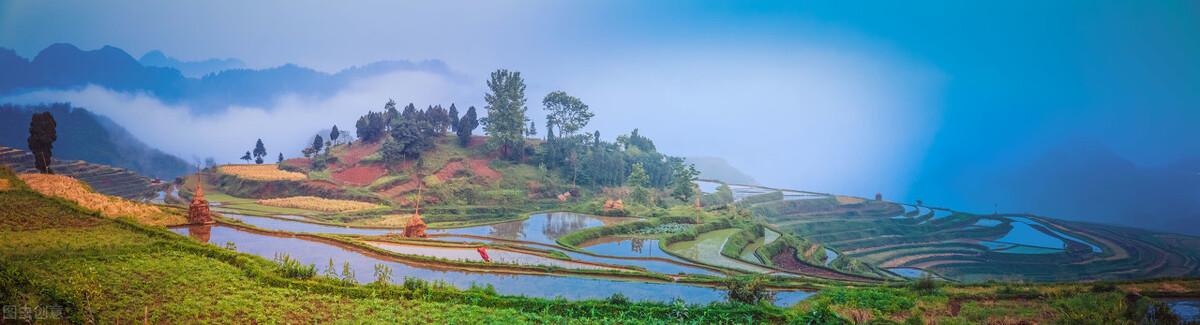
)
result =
(113, 207)
(967, 247)
(101, 178)
(707, 249)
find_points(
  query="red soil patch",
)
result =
(786, 260)
(359, 175)
(448, 170)
(298, 162)
(476, 141)
(480, 167)
(357, 151)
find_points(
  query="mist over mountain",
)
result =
(83, 135)
(719, 169)
(64, 66)
(1087, 181)
(191, 69)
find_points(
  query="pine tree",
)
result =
(317, 143)
(453, 114)
(468, 123)
(281, 157)
(532, 129)
(334, 134)
(260, 151)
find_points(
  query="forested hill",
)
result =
(83, 135)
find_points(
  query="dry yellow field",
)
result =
(391, 220)
(317, 204)
(75, 191)
(268, 172)
(4, 185)
(849, 200)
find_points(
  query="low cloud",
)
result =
(287, 126)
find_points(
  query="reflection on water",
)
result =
(320, 254)
(541, 228)
(908, 272)
(302, 227)
(652, 266)
(830, 255)
(200, 233)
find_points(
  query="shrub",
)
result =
(748, 289)
(293, 269)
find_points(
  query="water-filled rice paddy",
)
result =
(540, 228)
(707, 249)
(320, 254)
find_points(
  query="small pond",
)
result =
(1187, 309)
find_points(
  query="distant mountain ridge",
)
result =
(190, 69)
(64, 66)
(719, 169)
(85, 136)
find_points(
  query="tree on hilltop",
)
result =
(334, 134)
(505, 123)
(467, 124)
(453, 115)
(567, 112)
(260, 151)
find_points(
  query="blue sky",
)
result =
(903, 98)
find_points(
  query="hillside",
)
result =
(716, 168)
(83, 135)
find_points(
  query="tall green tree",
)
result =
(505, 123)
(467, 124)
(453, 114)
(683, 178)
(389, 113)
(567, 112)
(637, 176)
(260, 151)
(532, 129)
(280, 157)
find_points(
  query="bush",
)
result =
(293, 269)
(748, 289)
(925, 285)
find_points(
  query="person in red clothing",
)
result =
(483, 253)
